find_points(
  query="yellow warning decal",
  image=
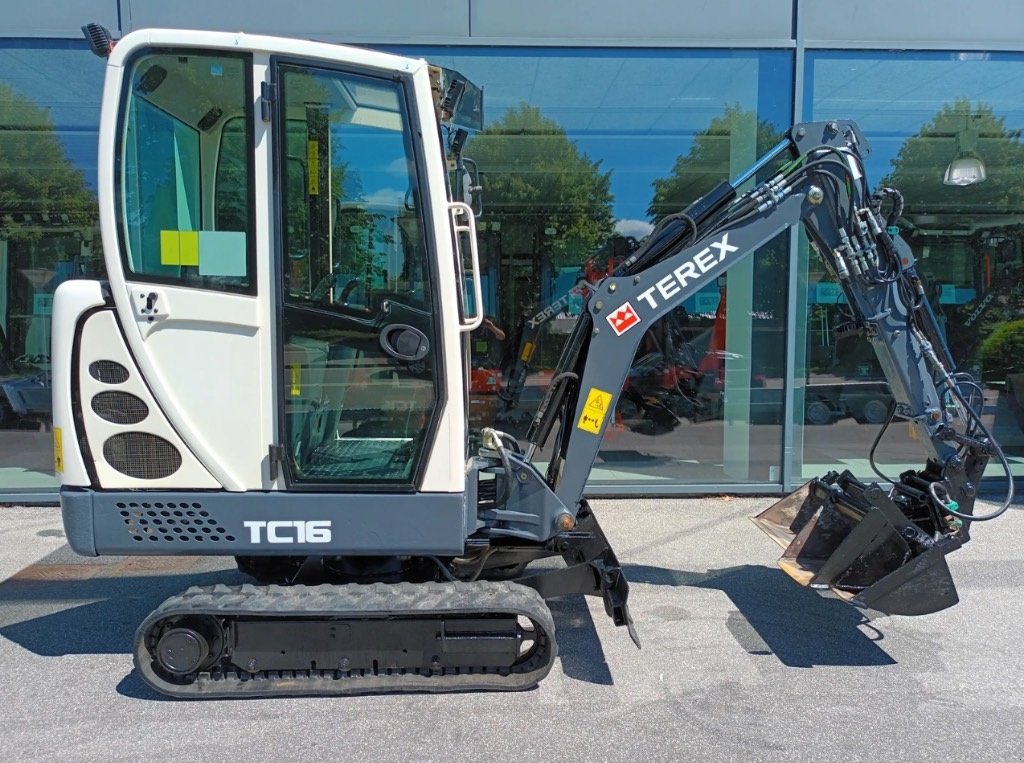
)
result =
(594, 411)
(58, 450)
(313, 166)
(296, 379)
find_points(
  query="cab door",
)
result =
(179, 216)
(361, 361)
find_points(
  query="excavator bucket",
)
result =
(868, 555)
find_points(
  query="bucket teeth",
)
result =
(867, 554)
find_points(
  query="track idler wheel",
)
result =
(189, 645)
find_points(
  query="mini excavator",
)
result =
(275, 370)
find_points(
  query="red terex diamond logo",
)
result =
(623, 319)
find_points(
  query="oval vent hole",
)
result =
(108, 372)
(142, 455)
(119, 407)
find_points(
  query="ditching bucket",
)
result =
(866, 553)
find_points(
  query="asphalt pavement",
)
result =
(738, 663)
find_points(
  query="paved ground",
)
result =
(738, 663)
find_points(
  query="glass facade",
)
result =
(49, 117)
(583, 150)
(921, 112)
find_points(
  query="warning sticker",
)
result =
(58, 450)
(594, 411)
(313, 166)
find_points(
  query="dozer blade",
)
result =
(869, 555)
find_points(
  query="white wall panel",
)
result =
(911, 23)
(333, 20)
(638, 22)
(54, 18)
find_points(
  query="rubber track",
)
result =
(352, 602)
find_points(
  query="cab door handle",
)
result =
(149, 304)
(404, 342)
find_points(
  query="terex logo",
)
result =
(554, 308)
(623, 319)
(290, 531)
(701, 263)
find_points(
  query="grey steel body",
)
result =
(213, 523)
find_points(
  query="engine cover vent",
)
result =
(184, 522)
(108, 372)
(120, 407)
(141, 455)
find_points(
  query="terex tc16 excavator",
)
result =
(275, 369)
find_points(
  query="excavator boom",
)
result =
(881, 549)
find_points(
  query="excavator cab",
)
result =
(286, 272)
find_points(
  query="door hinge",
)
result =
(276, 458)
(268, 94)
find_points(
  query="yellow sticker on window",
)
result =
(58, 450)
(296, 379)
(188, 248)
(170, 247)
(594, 411)
(313, 166)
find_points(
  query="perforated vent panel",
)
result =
(108, 372)
(119, 407)
(171, 521)
(142, 455)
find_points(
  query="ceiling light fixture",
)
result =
(967, 168)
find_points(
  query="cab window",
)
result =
(184, 184)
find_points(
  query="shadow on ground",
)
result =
(776, 616)
(579, 645)
(57, 616)
(47, 616)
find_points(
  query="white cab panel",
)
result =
(70, 302)
(102, 341)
